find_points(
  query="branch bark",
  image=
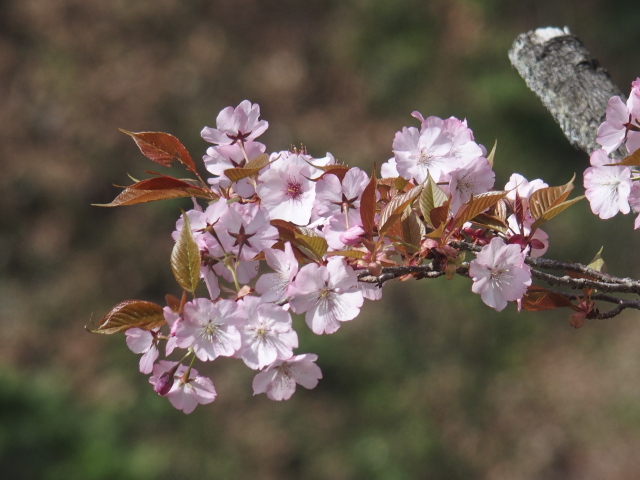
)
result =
(569, 82)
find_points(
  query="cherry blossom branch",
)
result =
(569, 82)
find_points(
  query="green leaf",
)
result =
(492, 155)
(357, 254)
(131, 314)
(162, 148)
(432, 196)
(598, 262)
(185, 258)
(313, 244)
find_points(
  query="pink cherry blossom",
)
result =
(420, 153)
(524, 187)
(145, 342)
(613, 132)
(634, 202)
(200, 223)
(220, 158)
(334, 196)
(267, 334)
(499, 273)
(338, 226)
(607, 187)
(273, 286)
(279, 379)
(173, 319)
(389, 169)
(210, 328)
(235, 125)
(245, 270)
(622, 122)
(329, 295)
(463, 146)
(286, 191)
(184, 393)
(477, 177)
(246, 231)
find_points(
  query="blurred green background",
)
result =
(428, 383)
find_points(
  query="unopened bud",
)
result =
(164, 383)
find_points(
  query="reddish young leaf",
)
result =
(393, 210)
(538, 299)
(632, 160)
(477, 205)
(544, 199)
(131, 314)
(368, 206)
(163, 182)
(286, 230)
(338, 170)
(438, 215)
(162, 148)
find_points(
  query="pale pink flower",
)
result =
(607, 187)
(477, 177)
(335, 231)
(622, 122)
(286, 191)
(524, 187)
(145, 342)
(245, 270)
(463, 146)
(499, 273)
(279, 379)
(220, 158)
(389, 169)
(422, 153)
(634, 202)
(273, 286)
(200, 223)
(334, 196)
(245, 230)
(267, 333)
(211, 281)
(210, 328)
(370, 291)
(184, 393)
(173, 319)
(329, 295)
(352, 236)
(613, 132)
(235, 125)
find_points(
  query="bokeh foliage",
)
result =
(428, 383)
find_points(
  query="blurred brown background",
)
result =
(429, 383)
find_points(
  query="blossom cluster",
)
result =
(610, 183)
(286, 233)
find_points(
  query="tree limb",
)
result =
(569, 82)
